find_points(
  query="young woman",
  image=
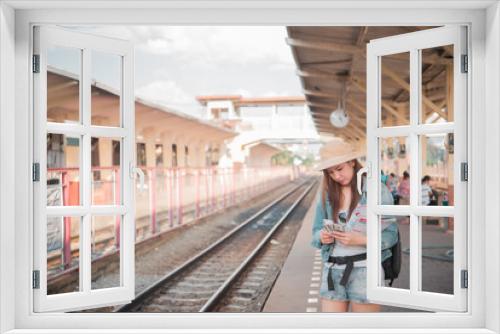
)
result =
(344, 283)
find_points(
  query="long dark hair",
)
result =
(333, 190)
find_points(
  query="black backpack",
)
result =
(392, 265)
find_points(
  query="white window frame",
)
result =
(46, 37)
(413, 43)
(483, 18)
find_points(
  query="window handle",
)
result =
(359, 174)
(137, 171)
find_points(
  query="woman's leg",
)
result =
(328, 305)
(357, 307)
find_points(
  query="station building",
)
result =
(184, 159)
(271, 122)
(165, 138)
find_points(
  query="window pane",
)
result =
(437, 184)
(106, 171)
(437, 85)
(63, 84)
(106, 89)
(174, 155)
(395, 88)
(389, 227)
(63, 244)
(394, 171)
(105, 242)
(437, 254)
(63, 170)
(159, 155)
(141, 158)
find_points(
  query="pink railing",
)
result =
(172, 196)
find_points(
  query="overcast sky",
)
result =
(174, 64)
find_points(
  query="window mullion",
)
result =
(127, 235)
(373, 120)
(415, 237)
(86, 172)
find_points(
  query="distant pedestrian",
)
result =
(383, 177)
(404, 189)
(426, 190)
(342, 239)
(392, 184)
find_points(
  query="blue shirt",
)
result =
(357, 223)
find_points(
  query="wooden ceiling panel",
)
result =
(328, 56)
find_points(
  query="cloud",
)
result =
(219, 45)
(243, 92)
(165, 92)
(288, 67)
(272, 93)
(176, 63)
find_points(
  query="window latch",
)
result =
(368, 171)
(137, 171)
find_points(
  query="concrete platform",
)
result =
(297, 287)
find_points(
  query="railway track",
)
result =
(200, 283)
(105, 269)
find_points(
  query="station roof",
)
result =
(154, 117)
(150, 117)
(329, 57)
(264, 144)
(240, 101)
(207, 98)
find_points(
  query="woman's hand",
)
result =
(350, 238)
(326, 237)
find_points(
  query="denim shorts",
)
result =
(354, 290)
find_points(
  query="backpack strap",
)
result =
(325, 209)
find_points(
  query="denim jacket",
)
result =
(357, 222)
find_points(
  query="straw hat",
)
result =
(336, 152)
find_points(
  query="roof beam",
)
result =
(360, 86)
(431, 60)
(330, 46)
(327, 62)
(385, 105)
(359, 42)
(331, 95)
(389, 73)
(315, 74)
(317, 93)
(323, 45)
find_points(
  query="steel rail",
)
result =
(188, 263)
(219, 294)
